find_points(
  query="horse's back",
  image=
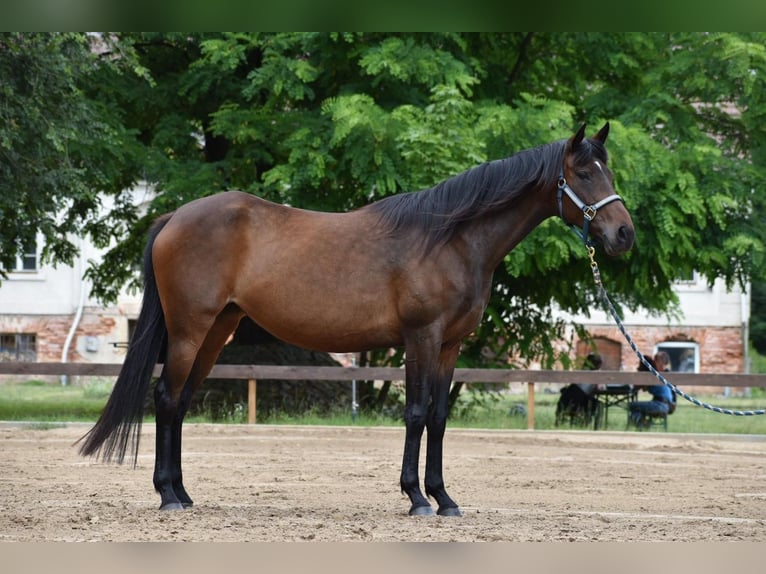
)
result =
(225, 209)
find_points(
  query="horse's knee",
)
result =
(415, 416)
(437, 418)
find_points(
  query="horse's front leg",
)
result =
(436, 425)
(415, 413)
(420, 368)
(434, 477)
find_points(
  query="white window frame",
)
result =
(697, 283)
(675, 348)
(18, 271)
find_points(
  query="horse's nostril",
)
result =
(621, 233)
(625, 234)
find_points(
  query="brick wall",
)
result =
(720, 347)
(103, 326)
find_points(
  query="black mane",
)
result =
(439, 211)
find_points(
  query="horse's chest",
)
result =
(465, 313)
(470, 316)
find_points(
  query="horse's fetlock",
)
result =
(408, 486)
(434, 490)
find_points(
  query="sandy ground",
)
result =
(280, 483)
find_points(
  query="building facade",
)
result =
(47, 314)
(709, 334)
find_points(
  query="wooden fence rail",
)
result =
(253, 373)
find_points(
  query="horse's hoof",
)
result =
(451, 511)
(187, 504)
(172, 506)
(421, 511)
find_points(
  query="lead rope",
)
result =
(647, 364)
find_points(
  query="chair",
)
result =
(652, 420)
(655, 419)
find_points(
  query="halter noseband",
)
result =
(589, 212)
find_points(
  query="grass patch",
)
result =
(688, 418)
(44, 402)
(50, 403)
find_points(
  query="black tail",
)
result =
(119, 425)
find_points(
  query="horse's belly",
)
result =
(332, 339)
(326, 326)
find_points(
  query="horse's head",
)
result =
(586, 197)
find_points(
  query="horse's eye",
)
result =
(583, 175)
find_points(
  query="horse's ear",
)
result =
(603, 133)
(576, 139)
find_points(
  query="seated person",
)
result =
(663, 401)
(662, 360)
(577, 405)
(592, 362)
(577, 401)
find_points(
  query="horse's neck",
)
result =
(495, 235)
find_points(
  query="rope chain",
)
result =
(663, 380)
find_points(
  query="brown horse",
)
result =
(413, 269)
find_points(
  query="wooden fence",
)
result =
(252, 373)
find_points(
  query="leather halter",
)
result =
(589, 211)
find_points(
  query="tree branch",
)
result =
(516, 72)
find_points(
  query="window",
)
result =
(26, 262)
(18, 347)
(684, 355)
(688, 278)
(692, 282)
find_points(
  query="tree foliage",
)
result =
(332, 121)
(59, 149)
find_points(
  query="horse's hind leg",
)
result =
(172, 405)
(177, 476)
(166, 471)
(169, 416)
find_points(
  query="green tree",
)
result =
(333, 121)
(59, 149)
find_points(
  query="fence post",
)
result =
(530, 406)
(251, 401)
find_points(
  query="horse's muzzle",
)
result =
(620, 242)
